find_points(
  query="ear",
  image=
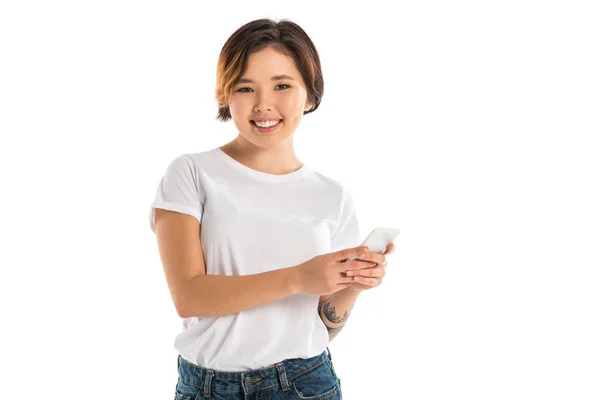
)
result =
(307, 106)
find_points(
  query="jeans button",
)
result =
(248, 381)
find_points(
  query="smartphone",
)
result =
(378, 240)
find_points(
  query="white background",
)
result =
(472, 126)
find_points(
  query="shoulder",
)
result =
(328, 183)
(333, 187)
(192, 162)
(199, 158)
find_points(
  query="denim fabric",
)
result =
(296, 378)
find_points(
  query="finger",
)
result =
(356, 265)
(369, 257)
(376, 258)
(361, 264)
(367, 281)
(343, 278)
(376, 272)
(380, 259)
(390, 248)
(349, 253)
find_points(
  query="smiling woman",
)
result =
(251, 239)
(285, 38)
(267, 88)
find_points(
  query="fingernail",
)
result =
(349, 273)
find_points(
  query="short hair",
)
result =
(285, 37)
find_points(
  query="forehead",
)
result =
(268, 62)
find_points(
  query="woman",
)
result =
(252, 241)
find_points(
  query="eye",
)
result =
(243, 90)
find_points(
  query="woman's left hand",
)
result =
(370, 277)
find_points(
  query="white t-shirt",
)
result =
(253, 222)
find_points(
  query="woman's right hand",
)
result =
(326, 273)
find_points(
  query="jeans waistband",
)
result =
(248, 381)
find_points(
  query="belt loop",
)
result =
(285, 385)
(207, 381)
(328, 352)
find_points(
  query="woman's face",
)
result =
(272, 88)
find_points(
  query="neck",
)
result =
(278, 160)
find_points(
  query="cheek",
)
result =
(241, 101)
(236, 107)
(292, 105)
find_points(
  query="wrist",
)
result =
(294, 280)
(351, 290)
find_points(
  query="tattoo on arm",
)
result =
(334, 331)
(330, 314)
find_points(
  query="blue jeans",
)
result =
(295, 378)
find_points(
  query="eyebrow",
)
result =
(275, 78)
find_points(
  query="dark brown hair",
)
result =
(285, 37)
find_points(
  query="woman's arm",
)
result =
(335, 310)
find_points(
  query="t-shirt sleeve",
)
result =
(179, 190)
(347, 232)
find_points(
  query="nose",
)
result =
(264, 101)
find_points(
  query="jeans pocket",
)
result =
(317, 384)
(185, 391)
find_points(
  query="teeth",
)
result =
(266, 124)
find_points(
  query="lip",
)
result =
(262, 119)
(267, 131)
